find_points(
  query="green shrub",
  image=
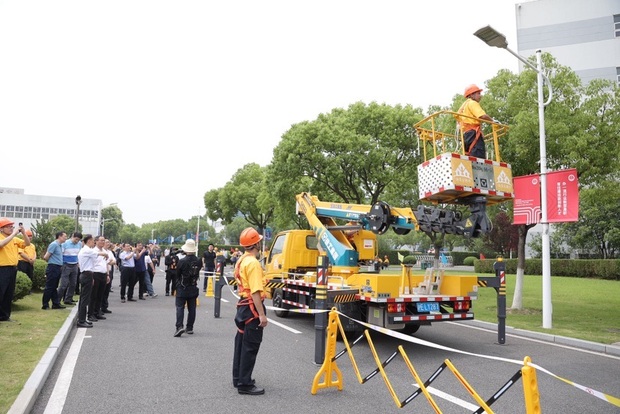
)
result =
(22, 286)
(409, 260)
(458, 258)
(38, 280)
(469, 260)
(608, 269)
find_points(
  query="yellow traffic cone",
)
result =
(210, 293)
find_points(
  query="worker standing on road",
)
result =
(250, 318)
(188, 272)
(470, 123)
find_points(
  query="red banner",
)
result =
(562, 196)
(527, 199)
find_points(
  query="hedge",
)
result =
(585, 268)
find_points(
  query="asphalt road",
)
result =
(132, 363)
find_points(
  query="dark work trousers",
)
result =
(209, 271)
(478, 149)
(86, 287)
(106, 291)
(191, 311)
(96, 295)
(27, 268)
(247, 344)
(52, 277)
(171, 281)
(128, 281)
(140, 275)
(8, 275)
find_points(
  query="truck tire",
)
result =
(409, 329)
(277, 300)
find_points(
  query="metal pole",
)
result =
(546, 251)
(78, 201)
(500, 273)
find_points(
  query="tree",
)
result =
(245, 194)
(504, 237)
(599, 220)
(351, 155)
(45, 231)
(112, 217)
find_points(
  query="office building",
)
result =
(583, 35)
(28, 209)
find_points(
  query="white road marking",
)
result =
(281, 325)
(59, 395)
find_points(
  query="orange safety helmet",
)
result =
(5, 222)
(471, 89)
(249, 237)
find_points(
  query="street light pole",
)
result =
(78, 201)
(492, 37)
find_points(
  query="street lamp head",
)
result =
(78, 200)
(492, 37)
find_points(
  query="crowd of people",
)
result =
(84, 265)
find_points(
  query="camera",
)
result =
(21, 224)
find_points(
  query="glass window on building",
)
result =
(617, 25)
(618, 75)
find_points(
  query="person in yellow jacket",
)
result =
(250, 318)
(470, 123)
(9, 247)
(27, 257)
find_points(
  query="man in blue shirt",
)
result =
(53, 256)
(69, 275)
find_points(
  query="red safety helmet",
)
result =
(5, 222)
(471, 89)
(249, 237)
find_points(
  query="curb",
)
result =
(28, 395)
(557, 339)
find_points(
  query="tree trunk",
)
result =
(517, 299)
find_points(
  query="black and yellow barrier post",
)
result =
(499, 283)
(320, 319)
(219, 283)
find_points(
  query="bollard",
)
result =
(500, 273)
(219, 283)
(320, 319)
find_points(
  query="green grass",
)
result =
(23, 343)
(586, 309)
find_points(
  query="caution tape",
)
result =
(601, 395)
(403, 337)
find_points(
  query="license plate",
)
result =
(427, 306)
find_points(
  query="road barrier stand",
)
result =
(530, 387)
(329, 375)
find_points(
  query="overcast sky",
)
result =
(150, 104)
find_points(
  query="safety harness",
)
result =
(247, 300)
(468, 127)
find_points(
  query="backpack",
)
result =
(191, 274)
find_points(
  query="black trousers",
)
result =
(86, 287)
(247, 344)
(52, 277)
(8, 275)
(96, 295)
(128, 281)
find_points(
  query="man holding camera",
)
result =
(9, 246)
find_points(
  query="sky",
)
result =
(149, 104)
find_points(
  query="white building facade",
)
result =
(29, 209)
(584, 35)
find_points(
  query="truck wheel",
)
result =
(409, 329)
(277, 302)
